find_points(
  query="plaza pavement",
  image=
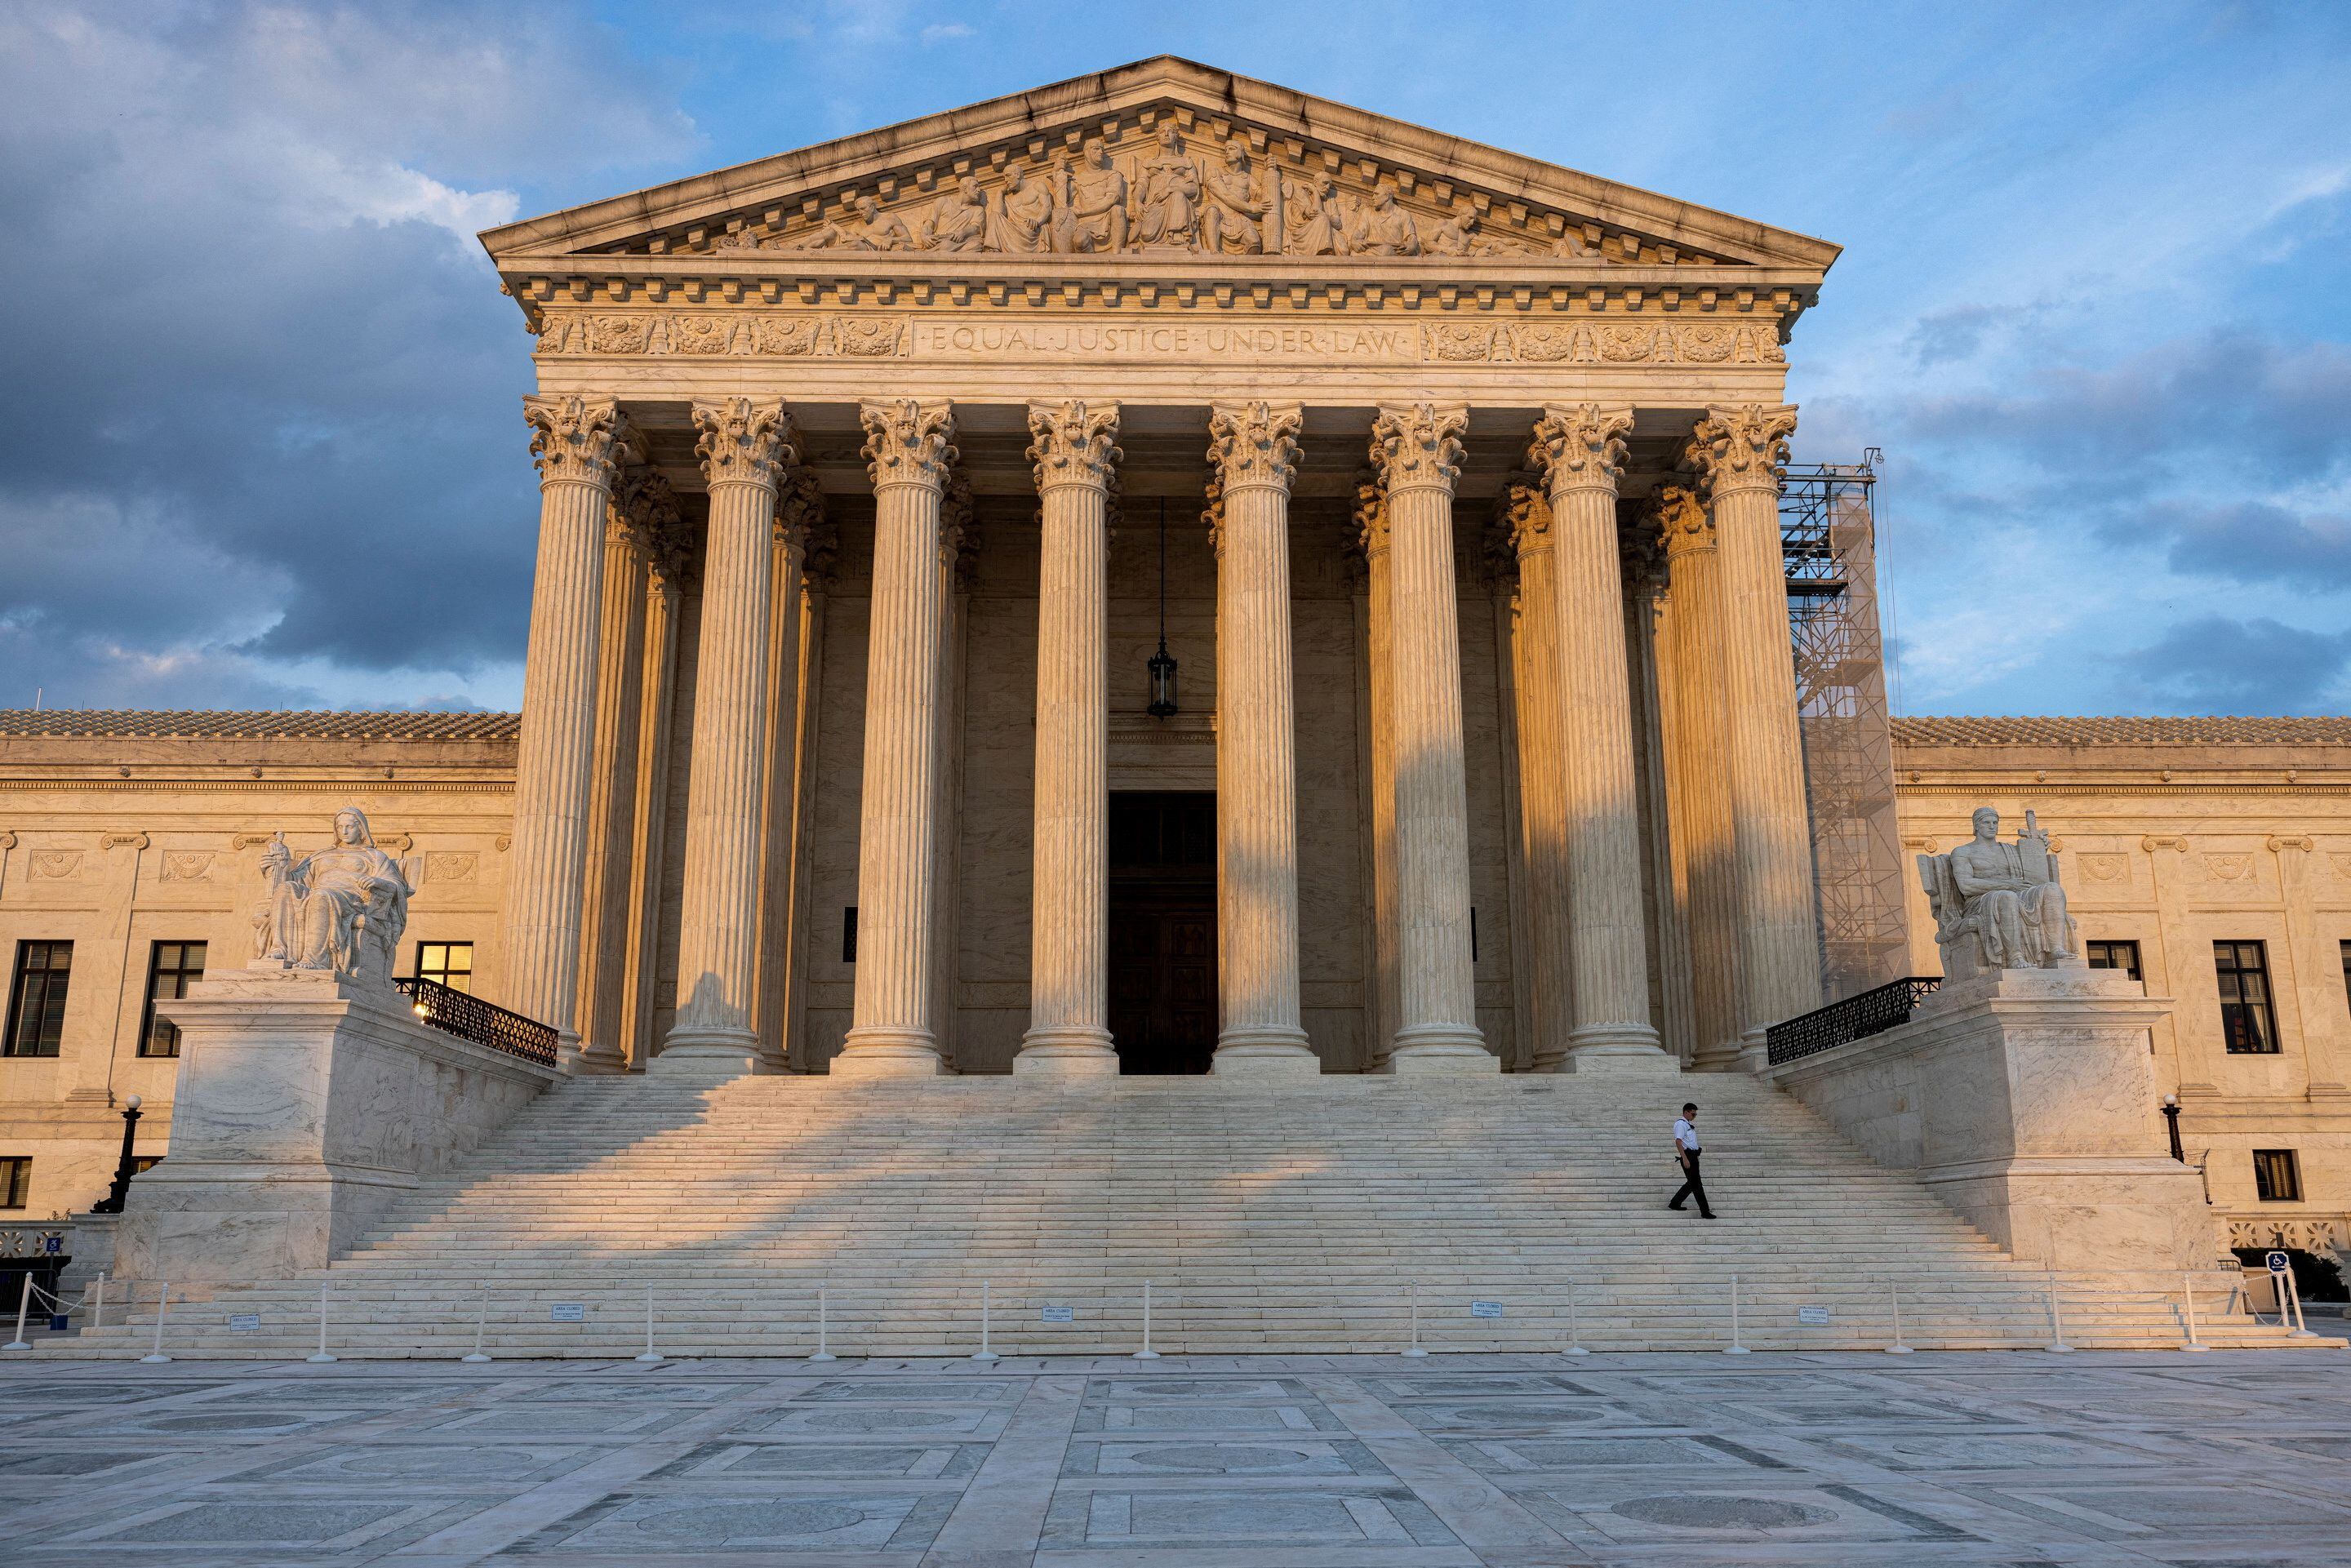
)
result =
(1261, 1462)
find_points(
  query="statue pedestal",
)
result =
(2025, 1100)
(306, 1104)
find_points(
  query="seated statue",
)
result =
(1996, 906)
(341, 910)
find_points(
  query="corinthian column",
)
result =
(1253, 447)
(1699, 787)
(1416, 448)
(1581, 449)
(1370, 523)
(1738, 453)
(745, 445)
(1069, 942)
(908, 446)
(1524, 510)
(575, 442)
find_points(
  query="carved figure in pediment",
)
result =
(341, 910)
(1094, 215)
(1454, 236)
(1384, 228)
(1021, 218)
(736, 239)
(1996, 906)
(959, 220)
(1234, 213)
(870, 229)
(1316, 222)
(1167, 196)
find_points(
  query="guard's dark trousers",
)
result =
(1693, 1188)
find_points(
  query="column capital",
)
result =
(1417, 446)
(1682, 520)
(576, 440)
(1255, 443)
(1581, 445)
(744, 440)
(1740, 447)
(1522, 515)
(909, 441)
(1073, 443)
(800, 509)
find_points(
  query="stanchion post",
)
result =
(162, 1305)
(651, 1354)
(1147, 1352)
(23, 1305)
(1413, 1287)
(823, 1353)
(2056, 1345)
(1734, 1347)
(480, 1327)
(97, 1309)
(987, 1306)
(1894, 1296)
(1575, 1341)
(2188, 1300)
(322, 1356)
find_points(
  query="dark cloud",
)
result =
(2253, 541)
(261, 440)
(2217, 664)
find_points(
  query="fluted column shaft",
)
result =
(1417, 450)
(1542, 798)
(1699, 784)
(649, 832)
(576, 442)
(745, 445)
(1739, 451)
(1582, 448)
(1371, 519)
(908, 446)
(1254, 449)
(1068, 942)
(611, 798)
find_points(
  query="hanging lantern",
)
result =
(1161, 665)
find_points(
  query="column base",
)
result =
(1620, 1050)
(888, 1054)
(599, 1057)
(1066, 1053)
(1448, 1057)
(1264, 1053)
(1754, 1052)
(711, 1057)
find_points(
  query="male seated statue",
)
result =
(1996, 906)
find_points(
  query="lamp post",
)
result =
(2171, 1123)
(112, 1202)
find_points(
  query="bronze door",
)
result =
(1162, 931)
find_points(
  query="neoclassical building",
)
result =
(1164, 574)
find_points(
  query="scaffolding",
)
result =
(1828, 543)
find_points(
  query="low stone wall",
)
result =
(306, 1104)
(2026, 1101)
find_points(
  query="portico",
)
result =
(855, 463)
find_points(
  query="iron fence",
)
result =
(453, 1011)
(1840, 1023)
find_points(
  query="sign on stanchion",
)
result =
(245, 1322)
(567, 1312)
(1057, 1314)
(1485, 1309)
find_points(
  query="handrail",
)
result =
(1840, 1023)
(453, 1011)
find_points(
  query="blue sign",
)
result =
(567, 1312)
(1485, 1309)
(1057, 1314)
(2280, 1263)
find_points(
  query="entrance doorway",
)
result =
(1163, 930)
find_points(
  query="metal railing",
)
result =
(1840, 1023)
(453, 1011)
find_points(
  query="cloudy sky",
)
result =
(259, 442)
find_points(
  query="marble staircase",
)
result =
(1300, 1217)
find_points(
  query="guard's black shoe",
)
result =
(1674, 1206)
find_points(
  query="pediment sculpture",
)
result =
(339, 910)
(1999, 906)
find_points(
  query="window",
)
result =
(141, 1163)
(172, 968)
(37, 1002)
(2122, 955)
(15, 1179)
(451, 962)
(2248, 1022)
(2277, 1175)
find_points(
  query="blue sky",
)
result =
(258, 435)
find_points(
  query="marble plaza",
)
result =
(2116, 1461)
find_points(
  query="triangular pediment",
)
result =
(1162, 159)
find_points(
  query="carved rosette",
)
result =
(744, 442)
(1254, 444)
(1740, 448)
(576, 440)
(909, 441)
(1075, 442)
(1681, 520)
(1418, 445)
(1581, 445)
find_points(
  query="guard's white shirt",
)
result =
(1685, 1134)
